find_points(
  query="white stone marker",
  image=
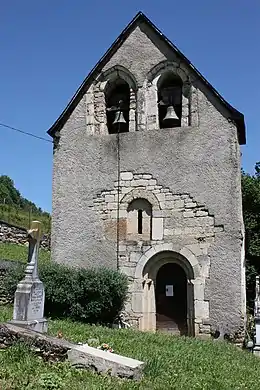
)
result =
(30, 295)
(256, 349)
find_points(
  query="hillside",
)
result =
(17, 210)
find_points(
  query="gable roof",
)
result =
(235, 115)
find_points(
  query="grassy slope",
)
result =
(171, 362)
(9, 251)
(19, 217)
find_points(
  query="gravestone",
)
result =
(30, 295)
(256, 349)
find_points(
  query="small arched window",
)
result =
(117, 106)
(139, 220)
(169, 100)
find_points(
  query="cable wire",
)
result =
(25, 133)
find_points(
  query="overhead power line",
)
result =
(25, 132)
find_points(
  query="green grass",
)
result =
(9, 251)
(22, 218)
(171, 362)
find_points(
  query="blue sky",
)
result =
(48, 47)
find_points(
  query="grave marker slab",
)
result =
(30, 294)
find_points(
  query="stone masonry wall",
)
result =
(176, 218)
(199, 161)
(17, 235)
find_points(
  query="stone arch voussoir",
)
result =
(115, 72)
(138, 194)
(163, 67)
(173, 250)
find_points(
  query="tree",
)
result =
(11, 196)
(251, 214)
(8, 191)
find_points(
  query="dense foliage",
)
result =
(90, 295)
(9, 195)
(17, 210)
(251, 213)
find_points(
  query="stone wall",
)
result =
(176, 218)
(17, 235)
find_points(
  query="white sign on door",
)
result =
(169, 291)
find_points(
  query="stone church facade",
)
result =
(146, 178)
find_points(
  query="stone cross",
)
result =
(30, 294)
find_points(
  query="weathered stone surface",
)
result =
(55, 349)
(198, 162)
(105, 362)
(157, 228)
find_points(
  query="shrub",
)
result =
(92, 295)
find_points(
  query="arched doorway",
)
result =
(168, 292)
(171, 299)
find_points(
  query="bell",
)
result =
(171, 119)
(119, 118)
(119, 123)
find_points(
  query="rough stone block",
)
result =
(196, 249)
(141, 182)
(169, 204)
(105, 362)
(157, 228)
(188, 214)
(205, 267)
(134, 257)
(168, 232)
(168, 196)
(157, 213)
(190, 205)
(109, 198)
(125, 190)
(126, 175)
(113, 214)
(129, 271)
(112, 206)
(199, 288)
(137, 302)
(201, 213)
(178, 231)
(178, 204)
(201, 309)
(161, 197)
(218, 229)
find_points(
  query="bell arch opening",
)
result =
(169, 89)
(117, 96)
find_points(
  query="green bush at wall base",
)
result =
(92, 295)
